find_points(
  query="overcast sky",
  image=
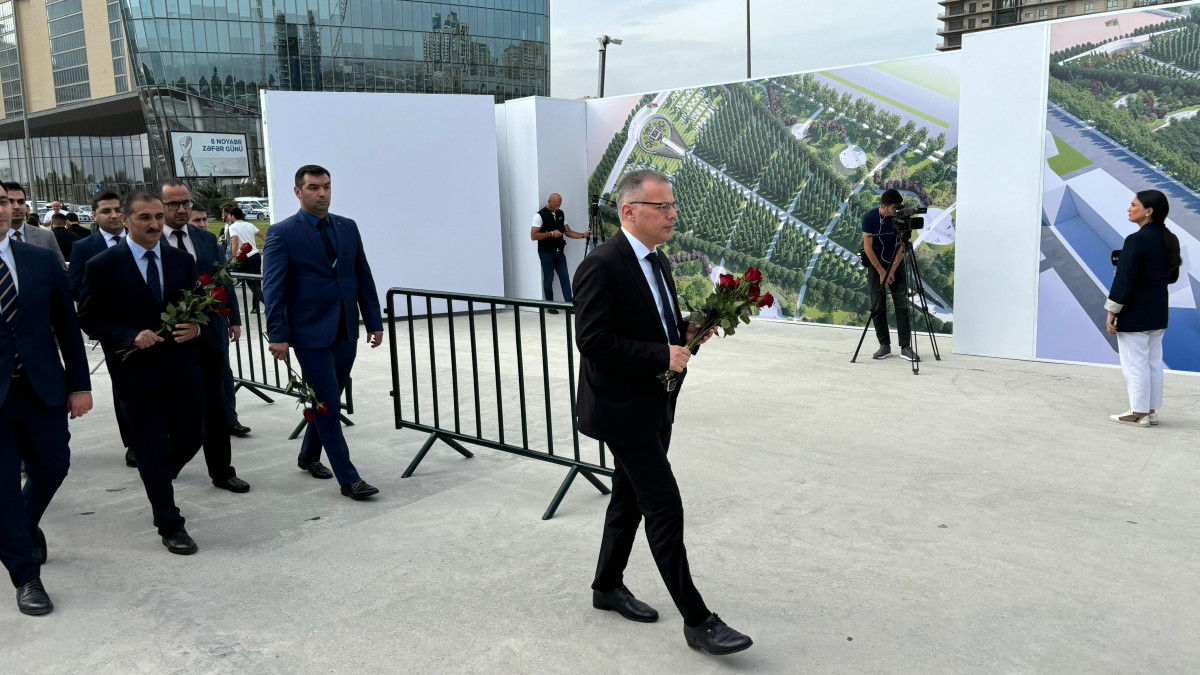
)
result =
(677, 43)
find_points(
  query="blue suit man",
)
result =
(214, 355)
(37, 323)
(316, 280)
(111, 231)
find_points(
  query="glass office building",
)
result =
(198, 65)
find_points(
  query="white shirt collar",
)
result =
(639, 249)
(5, 244)
(139, 252)
(170, 231)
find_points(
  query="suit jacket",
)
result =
(40, 236)
(622, 346)
(116, 305)
(304, 293)
(46, 323)
(81, 252)
(208, 254)
(65, 239)
(1139, 289)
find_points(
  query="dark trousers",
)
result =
(165, 434)
(36, 433)
(551, 263)
(899, 292)
(227, 391)
(122, 423)
(327, 370)
(218, 452)
(253, 265)
(643, 485)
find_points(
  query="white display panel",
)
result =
(418, 172)
(199, 154)
(1001, 126)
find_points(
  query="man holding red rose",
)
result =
(203, 247)
(629, 330)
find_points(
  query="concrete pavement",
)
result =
(852, 518)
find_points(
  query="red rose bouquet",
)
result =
(733, 300)
(207, 295)
(305, 396)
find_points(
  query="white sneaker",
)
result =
(1153, 417)
(1143, 421)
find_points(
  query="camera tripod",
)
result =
(913, 274)
(596, 225)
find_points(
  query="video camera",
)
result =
(595, 202)
(906, 221)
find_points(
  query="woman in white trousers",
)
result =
(1137, 305)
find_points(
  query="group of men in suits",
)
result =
(149, 251)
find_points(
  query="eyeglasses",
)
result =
(185, 204)
(665, 207)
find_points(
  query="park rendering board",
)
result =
(1124, 92)
(777, 173)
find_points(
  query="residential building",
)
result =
(959, 17)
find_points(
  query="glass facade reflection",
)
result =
(69, 167)
(14, 97)
(198, 64)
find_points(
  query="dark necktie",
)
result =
(116, 241)
(672, 328)
(8, 305)
(17, 235)
(179, 240)
(152, 281)
(322, 224)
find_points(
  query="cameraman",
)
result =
(884, 251)
(549, 228)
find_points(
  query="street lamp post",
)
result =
(604, 42)
(747, 39)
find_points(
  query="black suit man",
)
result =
(629, 329)
(37, 322)
(125, 290)
(106, 207)
(203, 247)
(315, 280)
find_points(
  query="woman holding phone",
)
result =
(1137, 305)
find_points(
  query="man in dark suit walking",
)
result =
(629, 329)
(106, 208)
(125, 290)
(37, 322)
(315, 281)
(202, 246)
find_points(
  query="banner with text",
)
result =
(203, 155)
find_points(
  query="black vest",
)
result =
(551, 221)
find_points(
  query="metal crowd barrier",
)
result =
(254, 369)
(488, 403)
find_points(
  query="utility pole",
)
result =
(604, 42)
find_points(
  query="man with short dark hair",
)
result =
(75, 228)
(125, 291)
(39, 335)
(64, 237)
(629, 329)
(315, 281)
(885, 253)
(20, 231)
(203, 247)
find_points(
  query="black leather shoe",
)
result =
(233, 484)
(716, 638)
(39, 546)
(317, 469)
(238, 429)
(130, 460)
(32, 599)
(181, 543)
(621, 601)
(359, 489)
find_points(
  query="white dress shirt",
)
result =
(7, 256)
(50, 216)
(110, 240)
(12, 231)
(640, 250)
(139, 257)
(169, 235)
